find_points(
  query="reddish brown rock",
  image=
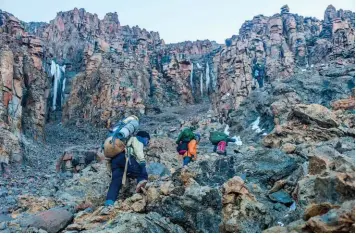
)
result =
(235, 185)
(335, 220)
(53, 220)
(10, 150)
(335, 188)
(317, 209)
(288, 148)
(306, 123)
(281, 43)
(239, 205)
(33, 205)
(229, 198)
(344, 104)
(23, 81)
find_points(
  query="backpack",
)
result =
(256, 73)
(186, 135)
(216, 137)
(115, 142)
(182, 147)
(221, 149)
(111, 149)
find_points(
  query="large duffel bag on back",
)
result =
(216, 137)
(111, 149)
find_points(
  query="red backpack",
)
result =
(221, 149)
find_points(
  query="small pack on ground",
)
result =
(216, 137)
(221, 149)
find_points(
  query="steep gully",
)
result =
(293, 172)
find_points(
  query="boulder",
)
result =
(151, 222)
(76, 158)
(317, 209)
(335, 220)
(241, 211)
(245, 215)
(282, 197)
(235, 185)
(10, 150)
(277, 186)
(166, 188)
(31, 204)
(152, 194)
(318, 164)
(334, 188)
(317, 113)
(229, 198)
(276, 229)
(139, 206)
(157, 169)
(288, 148)
(52, 220)
(198, 209)
(298, 226)
(89, 186)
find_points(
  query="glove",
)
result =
(142, 164)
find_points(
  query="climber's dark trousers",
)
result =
(134, 170)
(260, 81)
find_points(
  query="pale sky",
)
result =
(175, 20)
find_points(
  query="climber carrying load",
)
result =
(127, 160)
(191, 153)
(186, 144)
(220, 140)
(258, 72)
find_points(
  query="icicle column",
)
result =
(191, 76)
(56, 71)
(214, 81)
(207, 75)
(63, 88)
(201, 84)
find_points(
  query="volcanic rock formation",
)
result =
(63, 82)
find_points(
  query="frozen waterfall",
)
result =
(191, 77)
(213, 81)
(207, 75)
(63, 88)
(53, 68)
(201, 84)
(56, 71)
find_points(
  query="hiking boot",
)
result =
(140, 185)
(109, 203)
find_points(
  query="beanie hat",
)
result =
(143, 134)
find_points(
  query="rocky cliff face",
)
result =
(117, 69)
(128, 70)
(284, 42)
(24, 85)
(293, 170)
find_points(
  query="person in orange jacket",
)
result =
(191, 153)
